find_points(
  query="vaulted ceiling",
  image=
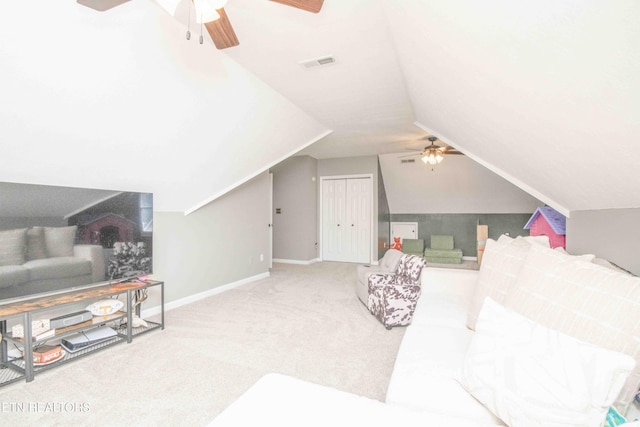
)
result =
(546, 94)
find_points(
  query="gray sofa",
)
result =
(42, 259)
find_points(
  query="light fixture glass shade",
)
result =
(432, 156)
(205, 11)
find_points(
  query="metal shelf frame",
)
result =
(15, 369)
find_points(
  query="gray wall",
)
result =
(218, 244)
(383, 216)
(354, 166)
(612, 234)
(295, 193)
(463, 227)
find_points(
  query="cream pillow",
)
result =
(501, 263)
(36, 248)
(587, 301)
(529, 375)
(59, 240)
(13, 246)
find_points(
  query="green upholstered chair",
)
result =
(442, 251)
(413, 246)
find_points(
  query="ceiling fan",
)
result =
(219, 27)
(434, 154)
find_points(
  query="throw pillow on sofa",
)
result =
(12, 246)
(59, 240)
(501, 263)
(529, 375)
(36, 248)
(587, 301)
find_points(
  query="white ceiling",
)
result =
(546, 94)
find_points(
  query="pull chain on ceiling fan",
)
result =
(209, 12)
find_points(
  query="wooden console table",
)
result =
(23, 368)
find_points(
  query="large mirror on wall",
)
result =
(54, 238)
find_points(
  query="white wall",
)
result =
(457, 185)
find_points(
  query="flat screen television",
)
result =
(55, 238)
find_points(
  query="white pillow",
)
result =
(501, 264)
(529, 375)
(59, 240)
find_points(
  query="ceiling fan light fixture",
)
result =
(205, 11)
(432, 156)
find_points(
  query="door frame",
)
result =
(372, 259)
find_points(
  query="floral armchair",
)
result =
(393, 297)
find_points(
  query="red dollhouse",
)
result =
(546, 221)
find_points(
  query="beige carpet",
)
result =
(303, 321)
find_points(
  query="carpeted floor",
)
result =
(304, 321)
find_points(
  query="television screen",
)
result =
(55, 238)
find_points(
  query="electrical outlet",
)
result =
(261, 257)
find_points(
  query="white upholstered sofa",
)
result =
(535, 338)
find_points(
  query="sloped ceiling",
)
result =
(120, 100)
(545, 94)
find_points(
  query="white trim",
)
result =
(527, 188)
(372, 256)
(253, 175)
(201, 295)
(296, 261)
(470, 258)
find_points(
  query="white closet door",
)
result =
(333, 216)
(359, 219)
(346, 220)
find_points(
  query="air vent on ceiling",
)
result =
(317, 62)
(408, 161)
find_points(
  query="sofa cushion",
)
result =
(12, 246)
(59, 240)
(441, 242)
(501, 263)
(426, 371)
(587, 301)
(530, 375)
(441, 253)
(36, 248)
(58, 268)
(413, 246)
(13, 275)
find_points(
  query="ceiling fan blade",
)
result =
(312, 6)
(450, 150)
(101, 5)
(221, 31)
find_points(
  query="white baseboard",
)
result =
(470, 258)
(295, 261)
(201, 295)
